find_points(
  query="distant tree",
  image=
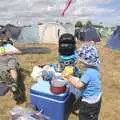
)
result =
(89, 23)
(78, 24)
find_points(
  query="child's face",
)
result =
(81, 65)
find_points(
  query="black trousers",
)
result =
(89, 111)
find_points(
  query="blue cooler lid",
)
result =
(42, 88)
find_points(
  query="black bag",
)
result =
(67, 44)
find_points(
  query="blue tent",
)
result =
(29, 34)
(114, 40)
(89, 33)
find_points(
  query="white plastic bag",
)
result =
(36, 73)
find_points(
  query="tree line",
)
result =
(88, 23)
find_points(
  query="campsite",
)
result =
(110, 79)
(41, 53)
(59, 60)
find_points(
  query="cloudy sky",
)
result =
(34, 11)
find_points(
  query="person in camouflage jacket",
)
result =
(9, 72)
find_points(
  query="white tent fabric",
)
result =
(51, 33)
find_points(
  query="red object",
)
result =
(57, 86)
(57, 90)
(66, 7)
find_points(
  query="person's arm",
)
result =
(13, 73)
(12, 64)
(75, 81)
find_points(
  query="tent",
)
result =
(114, 40)
(89, 33)
(50, 33)
(105, 32)
(45, 33)
(10, 31)
(70, 28)
(29, 34)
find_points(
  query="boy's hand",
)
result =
(65, 75)
(68, 71)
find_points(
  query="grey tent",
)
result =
(114, 40)
(29, 34)
(89, 33)
(10, 31)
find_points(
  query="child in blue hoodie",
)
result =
(89, 85)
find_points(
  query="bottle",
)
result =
(58, 68)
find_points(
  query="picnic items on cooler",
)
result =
(45, 72)
(36, 73)
(42, 72)
(48, 72)
(47, 75)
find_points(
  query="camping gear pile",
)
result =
(48, 73)
(45, 72)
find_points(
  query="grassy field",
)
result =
(110, 70)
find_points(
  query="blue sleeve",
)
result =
(77, 72)
(85, 78)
